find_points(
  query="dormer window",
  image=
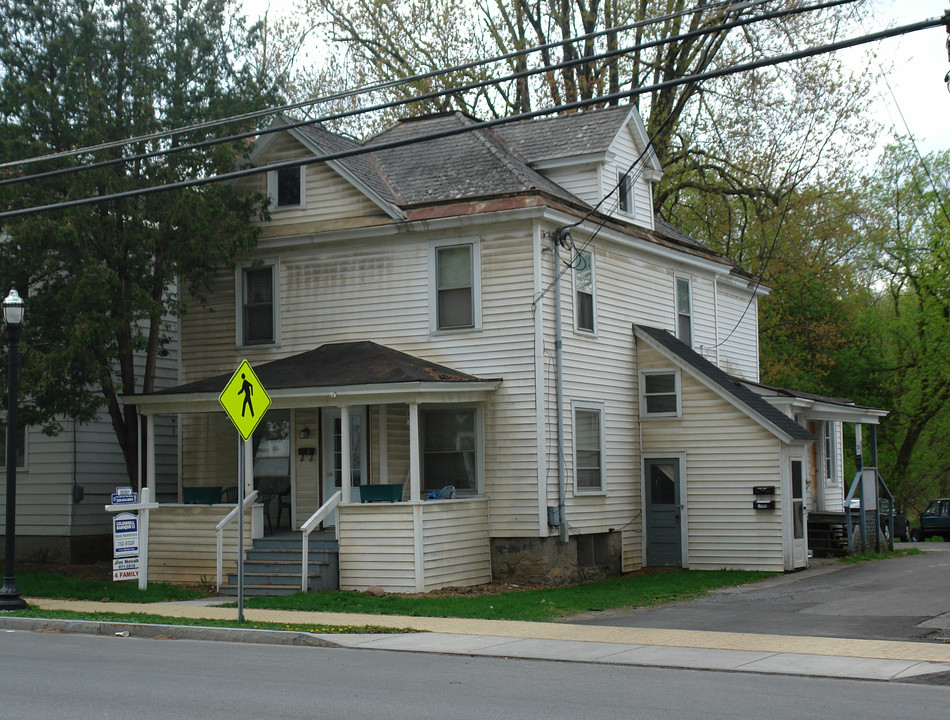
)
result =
(286, 187)
(625, 193)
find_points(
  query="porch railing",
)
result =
(308, 527)
(219, 533)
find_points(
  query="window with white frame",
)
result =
(584, 291)
(588, 449)
(450, 438)
(660, 393)
(455, 285)
(684, 311)
(20, 446)
(625, 193)
(258, 311)
(285, 186)
(829, 443)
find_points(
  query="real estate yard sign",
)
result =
(125, 547)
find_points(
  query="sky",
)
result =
(914, 65)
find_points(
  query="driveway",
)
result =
(906, 598)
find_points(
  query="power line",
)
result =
(431, 95)
(728, 4)
(485, 124)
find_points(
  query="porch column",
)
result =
(384, 443)
(150, 453)
(345, 461)
(415, 475)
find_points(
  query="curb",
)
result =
(167, 632)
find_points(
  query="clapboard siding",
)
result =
(738, 333)
(183, 544)
(377, 544)
(584, 181)
(727, 453)
(622, 156)
(44, 488)
(307, 473)
(379, 290)
(209, 450)
(455, 537)
(376, 547)
(329, 196)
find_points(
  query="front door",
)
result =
(333, 454)
(663, 511)
(799, 515)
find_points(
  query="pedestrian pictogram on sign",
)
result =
(244, 399)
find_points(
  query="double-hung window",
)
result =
(258, 307)
(450, 449)
(455, 286)
(584, 291)
(285, 186)
(660, 394)
(588, 449)
(684, 311)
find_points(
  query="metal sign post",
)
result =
(245, 401)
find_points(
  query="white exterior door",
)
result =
(799, 520)
(333, 454)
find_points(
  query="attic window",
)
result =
(286, 187)
(624, 188)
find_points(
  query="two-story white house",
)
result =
(497, 313)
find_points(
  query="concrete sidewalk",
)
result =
(742, 652)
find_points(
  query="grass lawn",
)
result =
(61, 585)
(642, 589)
(864, 557)
(148, 618)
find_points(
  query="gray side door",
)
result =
(663, 509)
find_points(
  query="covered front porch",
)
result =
(381, 447)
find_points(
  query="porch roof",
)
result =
(818, 407)
(333, 374)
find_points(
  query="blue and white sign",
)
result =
(125, 535)
(123, 495)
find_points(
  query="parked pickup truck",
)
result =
(935, 520)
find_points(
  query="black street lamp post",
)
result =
(13, 310)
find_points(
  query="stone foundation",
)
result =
(548, 561)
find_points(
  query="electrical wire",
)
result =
(485, 124)
(741, 22)
(377, 87)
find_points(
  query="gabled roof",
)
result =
(470, 165)
(583, 134)
(729, 388)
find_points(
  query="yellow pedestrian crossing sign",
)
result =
(244, 399)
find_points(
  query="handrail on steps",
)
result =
(219, 533)
(308, 527)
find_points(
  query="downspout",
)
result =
(558, 237)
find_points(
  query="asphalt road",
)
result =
(906, 598)
(83, 677)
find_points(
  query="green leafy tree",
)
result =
(899, 357)
(104, 280)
